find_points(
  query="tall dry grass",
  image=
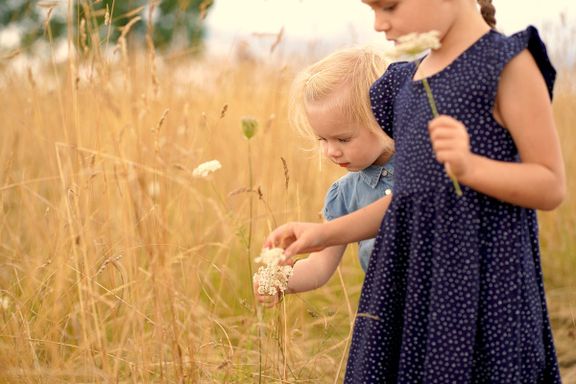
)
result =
(116, 265)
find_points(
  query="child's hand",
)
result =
(451, 144)
(297, 238)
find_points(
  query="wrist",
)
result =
(473, 165)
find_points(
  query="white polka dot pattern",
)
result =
(453, 291)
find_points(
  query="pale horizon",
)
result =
(327, 24)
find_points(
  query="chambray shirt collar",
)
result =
(373, 173)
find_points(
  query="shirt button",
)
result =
(388, 191)
(384, 172)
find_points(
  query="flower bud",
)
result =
(249, 126)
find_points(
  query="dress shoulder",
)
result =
(383, 93)
(507, 47)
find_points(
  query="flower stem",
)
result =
(249, 254)
(431, 100)
(432, 103)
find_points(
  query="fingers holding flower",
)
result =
(297, 238)
(451, 144)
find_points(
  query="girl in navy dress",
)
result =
(454, 291)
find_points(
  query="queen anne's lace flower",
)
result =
(272, 278)
(204, 169)
(414, 43)
(271, 256)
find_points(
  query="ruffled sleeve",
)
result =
(526, 39)
(334, 202)
(383, 93)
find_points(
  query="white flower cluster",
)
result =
(272, 278)
(271, 256)
(204, 169)
(413, 44)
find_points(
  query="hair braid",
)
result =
(488, 12)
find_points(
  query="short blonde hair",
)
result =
(352, 70)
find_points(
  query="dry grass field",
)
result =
(118, 266)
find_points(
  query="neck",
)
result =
(468, 27)
(465, 31)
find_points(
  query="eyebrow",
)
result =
(345, 133)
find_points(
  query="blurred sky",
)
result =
(331, 23)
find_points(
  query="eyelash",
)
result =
(340, 140)
(389, 8)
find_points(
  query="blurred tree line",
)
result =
(172, 21)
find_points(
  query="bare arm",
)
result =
(315, 270)
(524, 108)
(297, 238)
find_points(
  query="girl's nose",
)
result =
(332, 150)
(381, 22)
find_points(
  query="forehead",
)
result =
(328, 120)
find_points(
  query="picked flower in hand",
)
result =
(272, 278)
(271, 256)
(411, 45)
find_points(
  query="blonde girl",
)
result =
(330, 105)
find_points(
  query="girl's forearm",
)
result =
(528, 185)
(359, 225)
(315, 270)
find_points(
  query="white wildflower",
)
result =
(272, 278)
(271, 256)
(414, 43)
(204, 169)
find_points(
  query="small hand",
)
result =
(451, 144)
(297, 238)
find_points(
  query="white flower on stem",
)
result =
(204, 169)
(271, 256)
(272, 278)
(413, 44)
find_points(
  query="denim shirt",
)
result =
(356, 190)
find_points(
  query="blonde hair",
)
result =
(349, 73)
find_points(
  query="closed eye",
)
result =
(389, 7)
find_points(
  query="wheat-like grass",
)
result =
(118, 266)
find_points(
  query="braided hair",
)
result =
(488, 12)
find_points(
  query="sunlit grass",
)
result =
(117, 265)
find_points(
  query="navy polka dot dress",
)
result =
(453, 291)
